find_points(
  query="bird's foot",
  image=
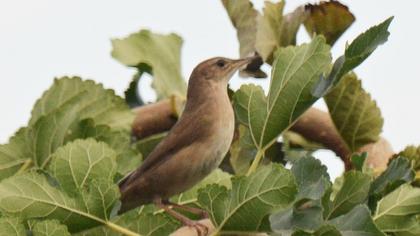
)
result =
(201, 229)
(196, 211)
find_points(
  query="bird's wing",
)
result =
(185, 132)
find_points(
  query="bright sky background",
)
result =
(43, 39)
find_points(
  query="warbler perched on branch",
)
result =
(193, 148)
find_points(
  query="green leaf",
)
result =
(244, 18)
(56, 116)
(412, 231)
(160, 53)
(49, 228)
(80, 162)
(132, 98)
(51, 131)
(14, 154)
(80, 191)
(141, 221)
(270, 188)
(146, 145)
(354, 190)
(30, 195)
(216, 177)
(354, 55)
(356, 222)
(128, 158)
(398, 172)
(275, 30)
(413, 154)
(242, 151)
(330, 19)
(355, 114)
(295, 71)
(307, 216)
(358, 161)
(397, 211)
(11, 226)
(102, 105)
(311, 177)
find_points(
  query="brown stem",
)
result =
(153, 118)
(315, 125)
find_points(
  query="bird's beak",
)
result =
(242, 63)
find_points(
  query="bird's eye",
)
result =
(220, 63)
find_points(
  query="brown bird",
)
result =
(193, 148)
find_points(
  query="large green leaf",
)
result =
(275, 30)
(14, 154)
(397, 211)
(80, 162)
(80, 191)
(128, 158)
(11, 226)
(355, 115)
(56, 116)
(98, 103)
(354, 55)
(330, 19)
(160, 53)
(32, 196)
(295, 71)
(142, 221)
(270, 188)
(356, 222)
(51, 131)
(354, 190)
(49, 228)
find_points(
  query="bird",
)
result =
(193, 148)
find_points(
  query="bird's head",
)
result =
(219, 68)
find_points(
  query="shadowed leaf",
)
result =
(330, 19)
(356, 222)
(354, 190)
(355, 115)
(275, 30)
(161, 53)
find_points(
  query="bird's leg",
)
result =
(196, 211)
(200, 228)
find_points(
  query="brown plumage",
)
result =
(196, 144)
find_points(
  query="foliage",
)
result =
(59, 174)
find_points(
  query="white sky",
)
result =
(43, 39)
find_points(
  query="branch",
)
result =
(154, 118)
(315, 125)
